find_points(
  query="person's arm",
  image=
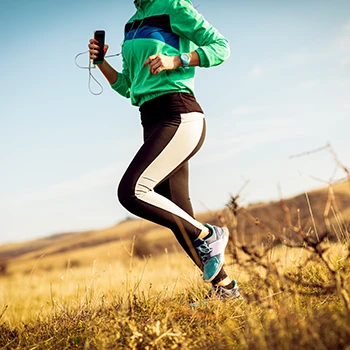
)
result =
(120, 82)
(194, 59)
(213, 47)
(109, 72)
(160, 62)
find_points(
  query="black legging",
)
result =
(155, 185)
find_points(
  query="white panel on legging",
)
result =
(176, 151)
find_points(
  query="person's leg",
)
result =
(171, 144)
(176, 189)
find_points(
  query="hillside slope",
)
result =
(303, 211)
(318, 212)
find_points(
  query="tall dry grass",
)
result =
(295, 295)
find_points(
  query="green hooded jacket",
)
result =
(168, 27)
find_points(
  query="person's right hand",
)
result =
(94, 48)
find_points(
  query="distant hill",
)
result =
(81, 248)
(318, 212)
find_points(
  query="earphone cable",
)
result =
(90, 67)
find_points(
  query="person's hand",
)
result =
(158, 63)
(94, 48)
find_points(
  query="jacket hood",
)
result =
(140, 4)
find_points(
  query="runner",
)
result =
(163, 43)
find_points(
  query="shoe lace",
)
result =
(204, 251)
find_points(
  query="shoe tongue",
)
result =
(216, 248)
(210, 234)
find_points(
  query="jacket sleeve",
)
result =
(123, 83)
(213, 48)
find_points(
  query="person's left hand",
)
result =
(159, 62)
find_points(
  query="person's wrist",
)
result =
(100, 64)
(185, 60)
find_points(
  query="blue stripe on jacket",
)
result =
(156, 33)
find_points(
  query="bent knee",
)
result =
(127, 192)
(124, 193)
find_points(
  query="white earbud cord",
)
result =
(94, 66)
(90, 67)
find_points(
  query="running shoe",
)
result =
(220, 292)
(211, 250)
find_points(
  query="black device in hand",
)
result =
(99, 35)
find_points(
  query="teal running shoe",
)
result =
(211, 250)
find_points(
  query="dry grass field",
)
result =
(130, 286)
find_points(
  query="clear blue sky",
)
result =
(284, 90)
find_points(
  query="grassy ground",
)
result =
(292, 298)
(100, 293)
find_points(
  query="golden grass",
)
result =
(34, 289)
(29, 295)
(144, 303)
(295, 294)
